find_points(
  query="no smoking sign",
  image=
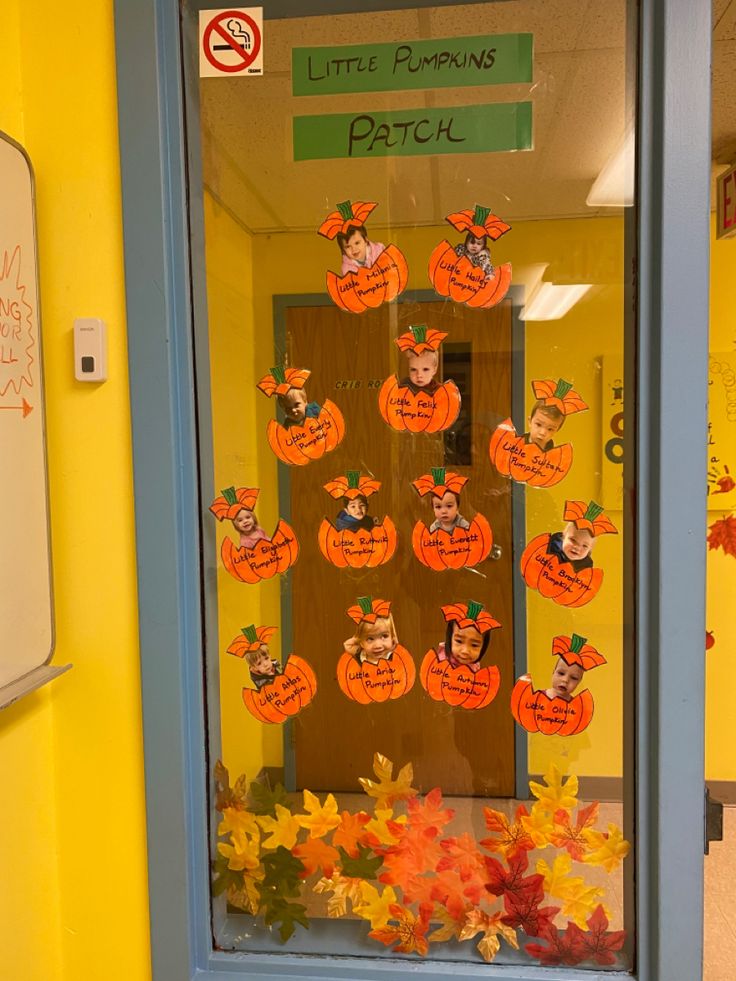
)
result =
(231, 42)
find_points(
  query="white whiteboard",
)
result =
(26, 607)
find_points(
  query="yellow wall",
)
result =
(73, 902)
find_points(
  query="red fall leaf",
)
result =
(722, 534)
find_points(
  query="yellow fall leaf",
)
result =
(539, 825)
(555, 876)
(580, 902)
(320, 818)
(449, 929)
(247, 897)
(237, 821)
(489, 947)
(282, 830)
(386, 790)
(378, 825)
(606, 850)
(476, 921)
(241, 853)
(375, 906)
(554, 794)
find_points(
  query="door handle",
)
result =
(496, 553)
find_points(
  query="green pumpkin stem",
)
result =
(366, 604)
(438, 476)
(230, 496)
(480, 215)
(250, 633)
(353, 477)
(592, 511)
(346, 210)
(577, 643)
(562, 389)
(420, 333)
(474, 608)
(279, 374)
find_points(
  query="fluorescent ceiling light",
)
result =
(614, 186)
(551, 302)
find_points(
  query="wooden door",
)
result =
(464, 752)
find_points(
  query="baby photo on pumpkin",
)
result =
(371, 273)
(354, 538)
(532, 458)
(253, 556)
(559, 564)
(452, 671)
(557, 710)
(450, 541)
(308, 429)
(464, 272)
(418, 402)
(373, 666)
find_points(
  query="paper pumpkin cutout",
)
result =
(537, 711)
(320, 429)
(461, 685)
(267, 556)
(385, 677)
(370, 286)
(427, 409)
(462, 277)
(557, 578)
(519, 457)
(286, 695)
(459, 547)
(356, 548)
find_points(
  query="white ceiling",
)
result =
(579, 113)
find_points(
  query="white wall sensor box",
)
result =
(90, 349)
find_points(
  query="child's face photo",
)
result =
(577, 543)
(244, 521)
(356, 508)
(445, 509)
(263, 664)
(467, 645)
(377, 641)
(565, 679)
(475, 245)
(294, 404)
(356, 247)
(542, 428)
(422, 368)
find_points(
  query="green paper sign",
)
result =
(411, 132)
(489, 59)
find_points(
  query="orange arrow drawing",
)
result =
(25, 408)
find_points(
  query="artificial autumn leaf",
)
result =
(282, 830)
(429, 813)
(414, 854)
(247, 896)
(225, 878)
(512, 836)
(569, 836)
(316, 854)
(282, 874)
(383, 828)
(563, 948)
(555, 877)
(492, 927)
(522, 910)
(321, 818)
(462, 855)
(607, 850)
(342, 889)
(499, 881)
(410, 932)
(225, 795)
(350, 831)
(360, 866)
(580, 900)
(555, 794)
(722, 534)
(539, 826)
(450, 928)
(286, 915)
(597, 944)
(375, 906)
(263, 799)
(242, 851)
(449, 890)
(237, 822)
(386, 790)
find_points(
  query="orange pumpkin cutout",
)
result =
(268, 556)
(453, 274)
(369, 287)
(320, 429)
(558, 578)
(380, 680)
(536, 711)
(286, 695)
(356, 548)
(459, 685)
(428, 410)
(518, 457)
(459, 548)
